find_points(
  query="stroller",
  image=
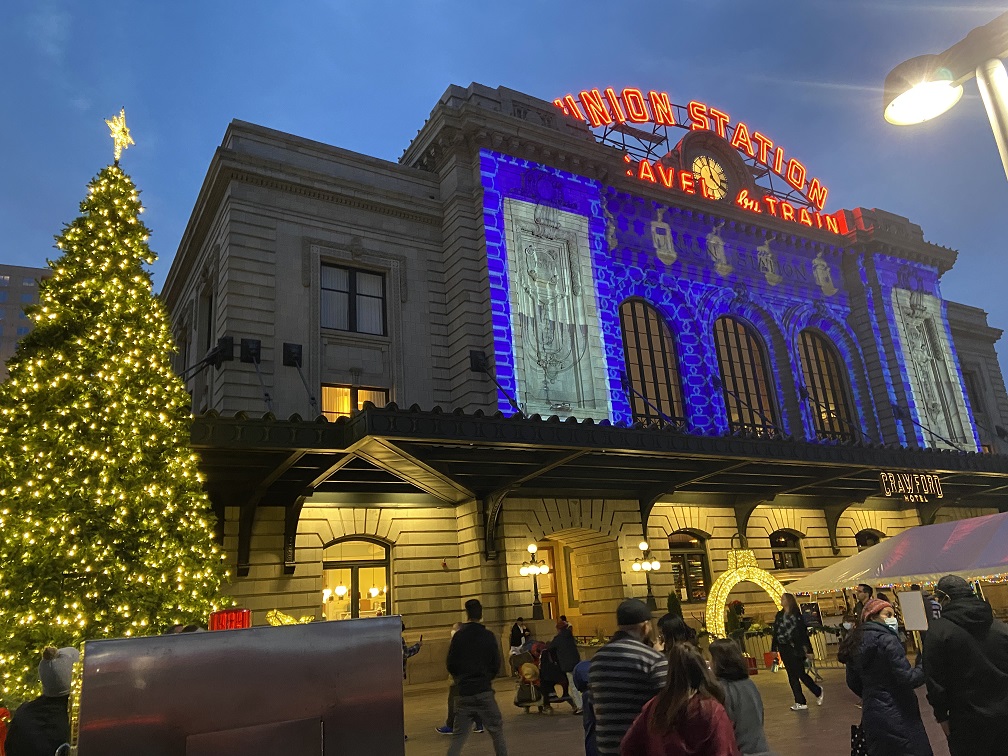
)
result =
(539, 673)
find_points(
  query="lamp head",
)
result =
(643, 545)
(918, 90)
(636, 566)
(543, 568)
(524, 571)
(532, 548)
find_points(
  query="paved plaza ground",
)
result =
(820, 731)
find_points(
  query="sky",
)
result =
(365, 75)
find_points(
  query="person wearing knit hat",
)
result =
(43, 725)
(966, 670)
(878, 672)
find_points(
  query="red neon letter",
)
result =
(740, 139)
(778, 161)
(787, 211)
(686, 182)
(764, 145)
(804, 217)
(772, 203)
(614, 104)
(720, 121)
(634, 101)
(698, 115)
(795, 174)
(661, 108)
(831, 224)
(571, 108)
(668, 179)
(646, 174)
(817, 193)
(595, 108)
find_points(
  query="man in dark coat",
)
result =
(41, 726)
(567, 655)
(519, 633)
(966, 665)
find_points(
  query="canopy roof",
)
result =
(973, 548)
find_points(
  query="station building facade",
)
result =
(536, 328)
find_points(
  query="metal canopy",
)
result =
(383, 456)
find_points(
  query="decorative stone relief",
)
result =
(716, 250)
(559, 362)
(823, 276)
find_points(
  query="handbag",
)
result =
(857, 741)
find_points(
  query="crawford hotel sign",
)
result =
(638, 123)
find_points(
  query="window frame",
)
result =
(823, 379)
(787, 550)
(656, 368)
(740, 387)
(355, 390)
(355, 565)
(684, 552)
(869, 532)
(352, 296)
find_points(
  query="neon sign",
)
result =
(632, 106)
(915, 488)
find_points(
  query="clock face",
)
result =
(709, 171)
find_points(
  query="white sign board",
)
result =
(915, 617)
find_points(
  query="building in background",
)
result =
(18, 289)
(587, 334)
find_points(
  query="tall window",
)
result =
(690, 571)
(656, 397)
(828, 387)
(355, 579)
(744, 378)
(353, 300)
(343, 401)
(786, 548)
(867, 538)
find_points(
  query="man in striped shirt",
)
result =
(625, 673)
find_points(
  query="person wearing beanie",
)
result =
(966, 670)
(624, 675)
(41, 726)
(880, 675)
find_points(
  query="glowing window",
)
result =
(343, 401)
(786, 548)
(355, 579)
(652, 370)
(828, 387)
(745, 381)
(690, 569)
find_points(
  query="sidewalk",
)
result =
(822, 731)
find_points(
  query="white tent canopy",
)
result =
(973, 548)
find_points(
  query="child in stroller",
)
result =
(539, 673)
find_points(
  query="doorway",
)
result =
(355, 579)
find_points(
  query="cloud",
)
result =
(49, 27)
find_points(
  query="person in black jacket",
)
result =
(519, 634)
(791, 642)
(41, 726)
(564, 644)
(881, 676)
(966, 670)
(474, 659)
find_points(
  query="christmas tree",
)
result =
(105, 530)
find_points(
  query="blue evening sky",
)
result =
(365, 75)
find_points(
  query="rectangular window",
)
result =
(27, 297)
(353, 300)
(27, 281)
(4, 280)
(3, 295)
(343, 401)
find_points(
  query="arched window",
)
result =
(744, 378)
(355, 579)
(786, 548)
(690, 570)
(867, 538)
(827, 386)
(652, 369)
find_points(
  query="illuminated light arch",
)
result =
(742, 568)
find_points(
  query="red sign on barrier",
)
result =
(231, 619)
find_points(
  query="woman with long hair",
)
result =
(742, 699)
(880, 674)
(687, 718)
(791, 642)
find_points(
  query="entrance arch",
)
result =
(742, 568)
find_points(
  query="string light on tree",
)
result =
(105, 530)
(742, 567)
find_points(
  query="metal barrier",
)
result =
(319, 688)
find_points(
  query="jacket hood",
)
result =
(972, 614)
(873, 636)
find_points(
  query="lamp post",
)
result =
(924, 87)
(534, 567)
(647, 563)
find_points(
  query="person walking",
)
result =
(624, 674)
(474, 659)
(564, 644)
(742, 698)
(792, 644)
(407, 651)
(449, 725)
(863, 593)
(42, 725)
(966, 670)
(880, 675)
(687, 718)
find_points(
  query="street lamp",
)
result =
(924, 87)
(534, 567)
(647, 563)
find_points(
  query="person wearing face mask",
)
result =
(624, 675)
(881, 676)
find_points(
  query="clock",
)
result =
(712, 174)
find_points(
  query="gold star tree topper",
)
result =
(120, 134)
